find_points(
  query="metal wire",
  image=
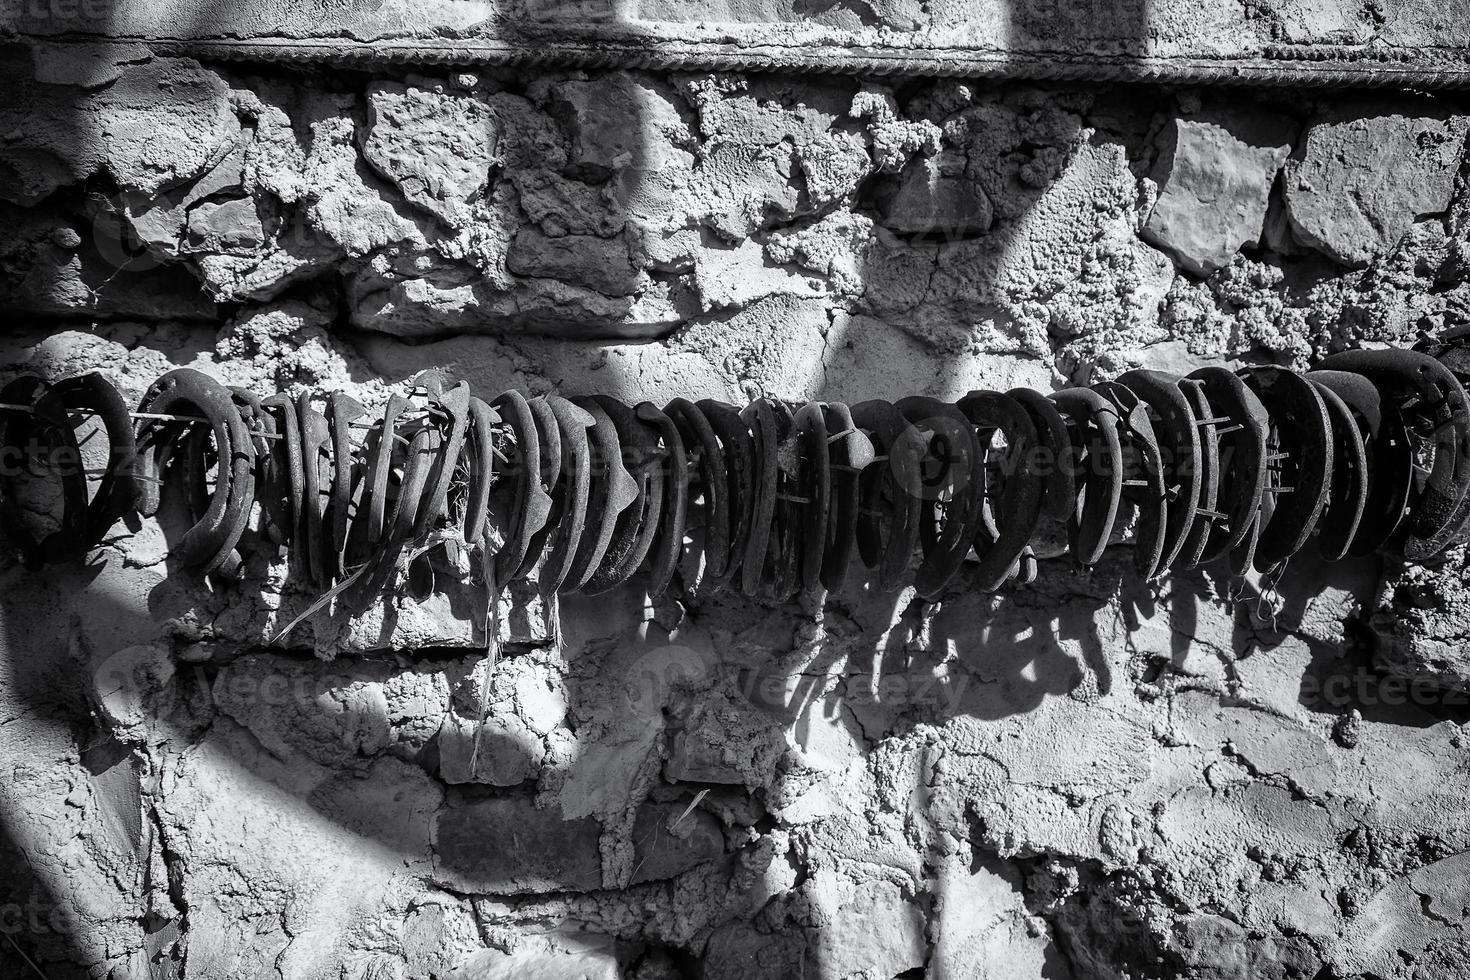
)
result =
(1010, 492)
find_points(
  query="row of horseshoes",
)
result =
(1370, 451)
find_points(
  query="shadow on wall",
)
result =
(74, 819)
(1017, 652)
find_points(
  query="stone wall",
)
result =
(1088, 777)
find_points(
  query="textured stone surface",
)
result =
(934, 196)
(983, 929)
(866, 929)
(1089, 777)
(528, 850)
(1215, 175)
(550, 965)
(498, 751)
(1367, 172)
(1170, 27)
(1422, 629)
(437, 147)
(671, 839)
(150, 123)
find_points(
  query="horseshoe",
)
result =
(549, 436)
(888, 515)
(699, 436)
(1348, 492)
(1097, 457)
(343, 410)
(761, 423)
(952, 501)
(668, 544)
(369, 499)
(523, 511)
(117, 490)
(783, 557)
(238, 505)
(1390, 459)
(240, 500)
(1206, 511)
(1454, 532)
(612, 491)
(185, 391)
(1051, 430)
(265, 485)
(739, 453)
(316, 440)
(191, 459)
(16, 431)
(353, 552)
(454, 406)
(378, 468)
(1027, 570)
(1179, 444)
(638, 523)
(815, 485)
(1303, 432)
(286, 465)
(850, 453)
(1437, 394)
(378, 576)
(1144, 483)
(160, 461)
(1242, 449)
(431, 383)
(573, 424)
(1019, 510)
(601, 492)
(481, 441)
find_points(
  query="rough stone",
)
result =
(537, 965)
(870, 930)
(437, 147)
(228, 226)
(163, 122)
(1423, 627)
(602, 264)
(1392, 923)
(1016, 144)
(102, 271)
(152, 123)
(1215, 175)
(623, 122)
(667, 841)
(1367, 172)
(982, 930)
(328, 715)
(438, 934)
(934, 196)
(498, 751)
(41, 148)
(740, 952)
(894, 138)
(713, 750)
(536, 850)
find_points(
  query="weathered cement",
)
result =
(1089, 777)
(1285, 36)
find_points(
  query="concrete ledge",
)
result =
(1414, 44)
